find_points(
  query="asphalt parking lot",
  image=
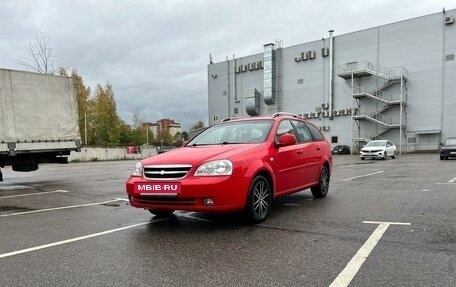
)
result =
(383, 223)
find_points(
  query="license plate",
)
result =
(157, 188)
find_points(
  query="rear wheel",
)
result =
(161, 213)
(259, 201)
(321, 189)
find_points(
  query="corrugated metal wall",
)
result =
(425, 46)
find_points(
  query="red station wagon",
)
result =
(235, 165)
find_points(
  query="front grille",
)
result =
(166, 171)
(163, 200)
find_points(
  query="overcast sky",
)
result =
(155, 52)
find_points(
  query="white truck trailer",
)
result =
(38, 119)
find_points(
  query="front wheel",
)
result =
(394, 155)
(259, 200)
(321, 189)
(384, 156)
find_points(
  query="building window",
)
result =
(334, 140)
(449, 57)
(236, 111)
(216, 118)
(225, 93)
(300, 81)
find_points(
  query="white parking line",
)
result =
(452, 180)
(57, 208)
(13, 187)
(364, 175)
(345, 277)
(31, 194)
(72, 240)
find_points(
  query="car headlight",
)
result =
(214, 168)
(138, 169)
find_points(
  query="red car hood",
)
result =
(199, 154)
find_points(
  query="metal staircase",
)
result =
(378, 112)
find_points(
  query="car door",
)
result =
(315, 155)
(290, 168)
(307, 152)
(389, 148)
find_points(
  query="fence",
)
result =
(111, 153)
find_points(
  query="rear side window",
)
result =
(304, 134)
(316, 134)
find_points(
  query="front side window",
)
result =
(285, 127)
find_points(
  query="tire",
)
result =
(442, 158)
(384, 156)
(321, 189)
(394, 155)
(161, 213)
(362, 158)
(259, 201)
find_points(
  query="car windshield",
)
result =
(450, 141)
(239, 132)
(376, 143)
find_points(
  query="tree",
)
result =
(40, 55)
(180, 137)
(185, 136)
(197, 125)
(163, 137)
(83, 99)
(177, 139)
(107, 122)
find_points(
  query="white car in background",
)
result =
(378, 149)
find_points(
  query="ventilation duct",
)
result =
(269, 74)
(252, 102)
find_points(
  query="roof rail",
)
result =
(285, 114)
(230, 119)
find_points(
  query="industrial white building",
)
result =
(396, 81)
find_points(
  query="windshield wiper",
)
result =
(223, 143)
(202, 144)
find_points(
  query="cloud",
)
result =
(155, 53)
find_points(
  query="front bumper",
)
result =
(376, 154)
(228, 193)
(448, 152)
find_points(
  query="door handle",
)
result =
(317, 148)
(299, 151)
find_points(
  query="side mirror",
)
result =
(184, 143)
(286, 140)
